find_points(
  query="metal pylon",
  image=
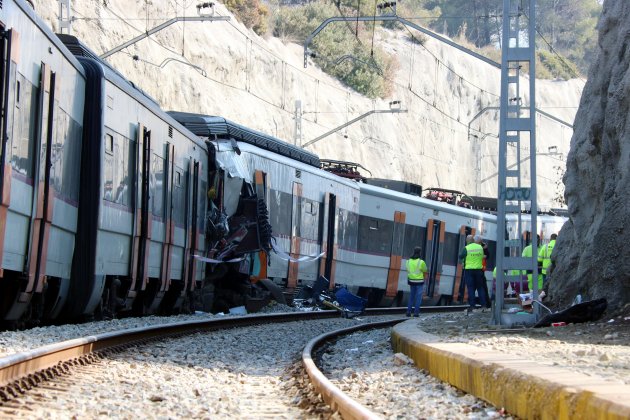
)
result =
(65, 17)
(516, 188)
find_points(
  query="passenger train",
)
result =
(110, 206)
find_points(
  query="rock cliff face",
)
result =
(593, 251)
(446, 139)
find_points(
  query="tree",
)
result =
(569, 28)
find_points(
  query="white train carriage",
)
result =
(42, 96)
(392, 223)
(312, 212)
(145, 201)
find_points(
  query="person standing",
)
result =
(472, 258)
(416, 267)
(486, 255)
(527, 253)
(545, 253)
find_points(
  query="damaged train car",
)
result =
(267, 194)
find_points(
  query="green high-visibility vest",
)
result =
(527, 252)
(546, 255)
(415, 269)
(474, 257)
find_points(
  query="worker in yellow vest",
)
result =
(472, 258)
(545, 254)
(416, 267)
(527, 253)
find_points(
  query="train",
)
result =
(111, 206)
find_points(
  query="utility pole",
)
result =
(65, 17)
(517, 122)
(297, 133)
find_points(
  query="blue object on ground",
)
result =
(349, 301)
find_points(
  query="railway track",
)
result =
(44, 378)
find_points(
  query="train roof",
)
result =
(79, 49)
(432, 204)
(82, 52)
(210, 126)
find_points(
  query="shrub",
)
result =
(364, 71)
(251, 13)
(549, 64)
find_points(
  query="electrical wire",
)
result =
(411, 91)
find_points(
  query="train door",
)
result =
(434, 251)
(138, 267)
(296, 217)
(9, 40)
(169, 228)
(192, 229)
(329, 236)
(41, 214)
(395, 258)
(459, 285)
(260, 259)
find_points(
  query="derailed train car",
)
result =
(313, 215)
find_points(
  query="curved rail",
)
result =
(337, 399)
(22, 371)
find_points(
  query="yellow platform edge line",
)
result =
(520, 393)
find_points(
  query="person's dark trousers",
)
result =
(484, 285)
(462, 285)
(415, 298)
(469, 279)
(479, 282)
(474, 282)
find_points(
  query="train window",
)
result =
(414, 236)
(17, 92)
(24, 130)
(451, 249)
(72, 161)
(109, 143)
(375, 235)
(298, 173)
(179, 199)
(123, 180)
(201, 205)
(347, 231)
(112, 170)
(309, 228)
(280, 207)
(57, 157)
(157, 185)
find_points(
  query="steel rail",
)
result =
(27, 369)
(332, 395)
(22, 371)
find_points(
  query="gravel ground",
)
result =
(246, 373)
(225, 374)
(364, 366)
(19, 341)
(599, 348)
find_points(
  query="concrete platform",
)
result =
(524, 387)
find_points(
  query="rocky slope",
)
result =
(592, 252)
(439, 142)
